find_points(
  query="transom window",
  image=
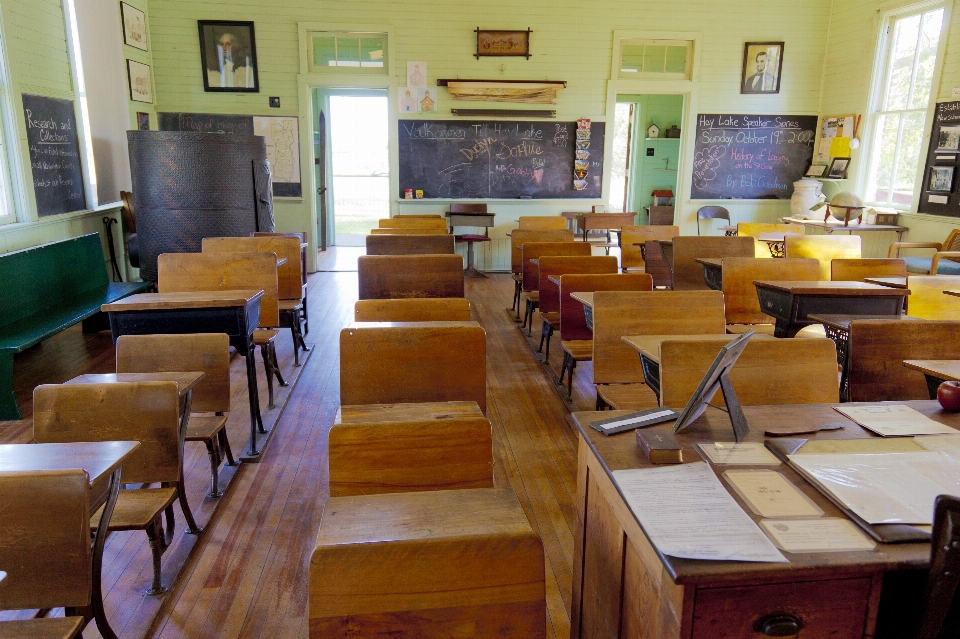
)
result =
(363, 51)
(663, 59)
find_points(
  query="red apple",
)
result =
(948, 394)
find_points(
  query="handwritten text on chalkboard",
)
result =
(54, 155)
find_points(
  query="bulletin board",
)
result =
(835, 135)
(938, 192)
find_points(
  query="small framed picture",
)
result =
(141, 89)
(838, 169)
(762, 63)
(143, 121)
(816, 170)
(948, 140)
(503, 43)
(941, 179)
(134, 26)
(228, 53)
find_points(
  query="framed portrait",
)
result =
(838, 169)
(228, 55)
(816, 170)
(134, 26)
(143, 121)
(138, 75)
(948, 139)
(503, 43)
(762, 64)
(941, 179)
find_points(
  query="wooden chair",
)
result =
(402, 276)
(409, 231)
(941, 614)
(400, 448)
(541, 222)
(187, 272)
(412, 223)
(631, 257)
(129, 233)
(433, 309)
(289, 277)
(444, 563)
(948, 251)
(413, 362)
(877, 349)
(303, 270)
(769, 371)
(208, 353)
(549, 292)
(927, 300)
(517, 239)
(825, 248)
(531, 272)
(45, 550)
(754, 229)
(687, 274)
(742, 306)
(616, 367)
(576, 339)
(148, 412)
(712, 213)
(410, 244)
(859, 270)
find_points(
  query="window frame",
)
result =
(360, 35)
(687, 74)
(13, 202)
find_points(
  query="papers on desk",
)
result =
(686, 512)
(734, 454)
(890, 488)
(829, 534)
(894, 420)
(770, 494)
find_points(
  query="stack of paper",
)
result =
(894, 420)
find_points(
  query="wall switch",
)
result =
(650, 153)
(275, 102)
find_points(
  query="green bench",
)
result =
(46, 289)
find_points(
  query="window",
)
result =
(660, 59)
(362, 51)
(7, 211)
(901, 99)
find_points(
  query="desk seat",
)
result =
(626, 396)
(54, 628)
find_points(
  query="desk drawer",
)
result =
(834, 609)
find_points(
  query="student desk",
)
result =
(587, 222)
(936, 371)
(587, 300)
(791, 303)
(186, 382)
(892, 282)
(624, 587)
(236, 313)
(712, 271)
(102, 462)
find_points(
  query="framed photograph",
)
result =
(948, 140)
(838, 169)
(762, 63)
(134, 26)
(228, 54)
(141, 89)
(941, 179)
(143, 121)
(503, 43)
(816, 170)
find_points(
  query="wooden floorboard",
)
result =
(246, 575)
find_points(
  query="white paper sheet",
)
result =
(771, 495)
(894, 420)
(888, 488)
(829, 534)
(742, 454)
(686, 512)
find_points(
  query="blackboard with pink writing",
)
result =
(756, 157)
(54, 155)
(499, 159)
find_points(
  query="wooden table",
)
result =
(622, 582)
(587, 300)
(236, 313)
(839, 226)
(587, 222)
(892, 282)
(936, 371)
(102, 462)
(790, 303)
(712, 271)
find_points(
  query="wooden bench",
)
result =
(413, 362)
(428, 309)
(631, 257)
(857, 270)
(449, 563)
(742, 306)
(410, 244)
(412, 223)
(46, 289)
(687, 274)
(402, 276)
(398, 448)
(825, 248)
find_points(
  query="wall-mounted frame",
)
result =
(762, 64)
(503, 43)
(134, 26)
(138, 75)
(228, 55)
(816, 170)
(143, 121)
(838, 169)
(948, 139)
(940, 179)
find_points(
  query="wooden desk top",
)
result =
(98, 459)
(186, 381)
(649, 345)
(847, 289)
(771, 237)
(584, 298)
(618, 452)
(941, 368)
(842, 322)
(727, 229)
(172, 301)
(715, 262)
(838, 226)
(954, 293)
(892, 282)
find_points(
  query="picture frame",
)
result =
(138, 77)
(838, 169)
(762, 65)
(502, 43)
(134, 26)
(816, 170)
(143, 121)
(948, 139)
(228, 56)
(940, 179)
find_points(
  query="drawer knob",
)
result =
(779, 624)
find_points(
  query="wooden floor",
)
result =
(246, 575)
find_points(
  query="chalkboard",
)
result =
(499, 159)
(751, 156)
(54, 155)
(939, 191)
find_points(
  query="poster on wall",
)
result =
(940, 194)
(54, 155)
